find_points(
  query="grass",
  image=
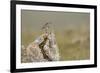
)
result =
(74, 44)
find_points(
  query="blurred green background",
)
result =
(72, 31)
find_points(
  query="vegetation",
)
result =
(74, 44)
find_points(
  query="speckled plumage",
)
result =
(50, 49)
